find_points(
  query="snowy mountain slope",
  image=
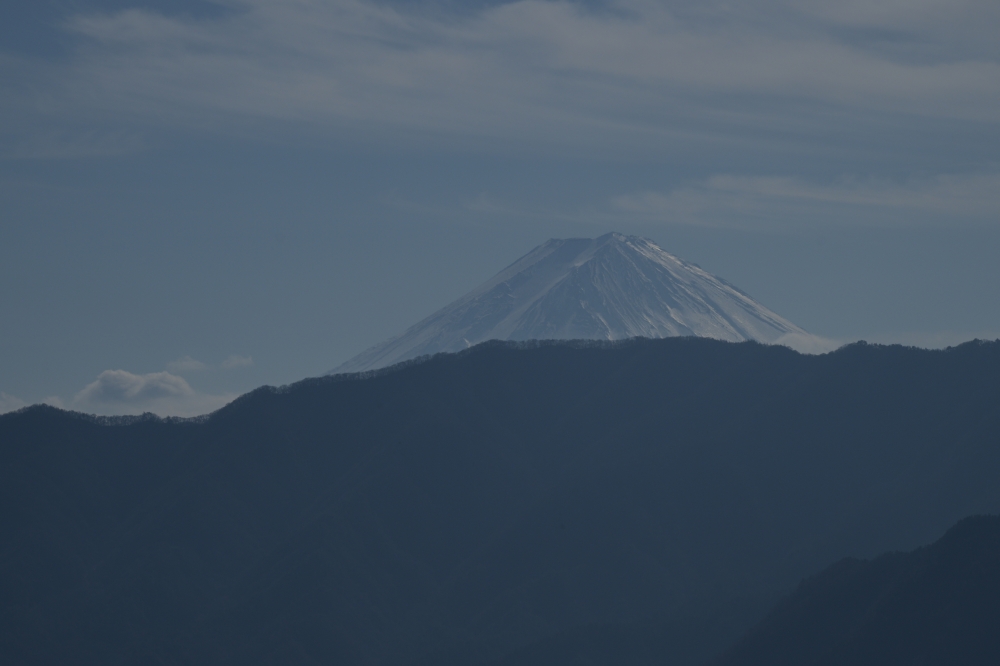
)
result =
(608, 288)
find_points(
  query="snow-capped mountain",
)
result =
(608, 288)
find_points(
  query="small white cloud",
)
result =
(123, 392)
(235, 361)
(10, 403)
(185, 364)
(123, 386)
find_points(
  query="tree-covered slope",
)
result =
(478, 504)
(936, 605)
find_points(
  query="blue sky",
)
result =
(201, 197)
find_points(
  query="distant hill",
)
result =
(494, 506)
(608, 288)
(939, 605)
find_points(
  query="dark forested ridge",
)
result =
(939, 605)
(493, 506)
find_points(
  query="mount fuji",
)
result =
(608, 288)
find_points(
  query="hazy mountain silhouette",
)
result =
(491, 506)
(937, 605)
(608, 288)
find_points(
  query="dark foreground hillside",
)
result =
(643, 502)
(939, 605)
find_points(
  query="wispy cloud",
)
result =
(741, 200)
(544, 68)
(235, 361)
(185, 365)
(123, 392)
(10, 403)
(70, 144)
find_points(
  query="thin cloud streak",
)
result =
(539, 67)
(65, 145)
(726, 200)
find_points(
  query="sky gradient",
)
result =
(201, 197)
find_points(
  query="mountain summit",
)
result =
(608, 288)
